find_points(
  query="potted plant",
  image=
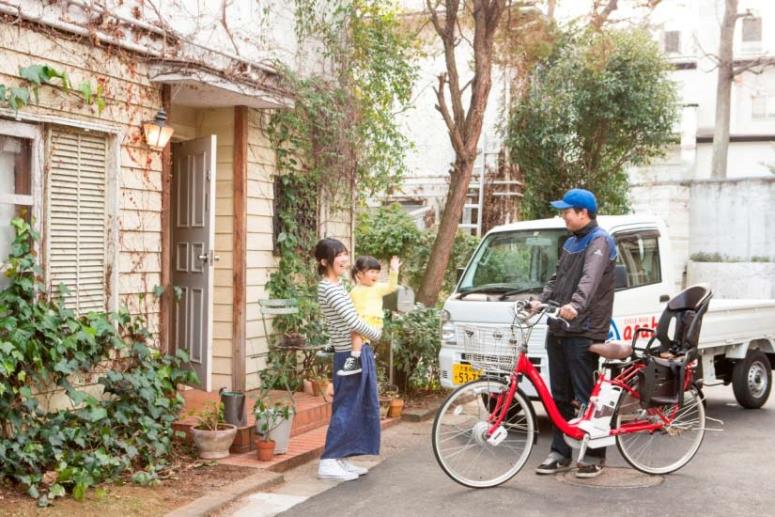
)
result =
(274, 420)
(396, 407)
(387, 393)
(212, 436)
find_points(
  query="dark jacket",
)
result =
(585, 279)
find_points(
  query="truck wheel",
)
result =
(752, 380)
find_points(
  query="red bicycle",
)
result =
(649, 406)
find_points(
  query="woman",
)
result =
(354, 428)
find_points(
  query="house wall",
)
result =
(130, 99)
(260, 261)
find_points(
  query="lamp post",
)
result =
(157, 133)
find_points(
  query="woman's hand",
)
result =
(394, 263)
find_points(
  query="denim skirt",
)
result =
(354, 429)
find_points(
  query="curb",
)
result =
(227, 494)
(419, 414)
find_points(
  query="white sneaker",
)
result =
(351, 467)
(332, 469)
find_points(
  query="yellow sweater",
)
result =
(367, 300)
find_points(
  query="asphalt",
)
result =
(732, 474)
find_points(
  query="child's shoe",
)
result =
(352, 365)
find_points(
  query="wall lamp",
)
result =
(157, 133)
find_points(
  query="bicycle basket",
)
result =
(489, 350)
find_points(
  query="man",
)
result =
(583, 286)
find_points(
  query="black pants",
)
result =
(572, 375)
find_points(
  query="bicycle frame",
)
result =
(573, 430)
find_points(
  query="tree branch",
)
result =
(759, 63)
(454, 130)
(599, 18)
(225, 24)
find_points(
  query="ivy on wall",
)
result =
(341, 140)
(36, 76)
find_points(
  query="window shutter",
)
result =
(77, 229)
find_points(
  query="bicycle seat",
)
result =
(612, 349)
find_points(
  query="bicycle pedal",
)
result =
(498, 436)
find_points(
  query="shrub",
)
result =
(417, 339)
(44, 346)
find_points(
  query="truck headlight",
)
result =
(447, 328)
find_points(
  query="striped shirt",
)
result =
(341, 318)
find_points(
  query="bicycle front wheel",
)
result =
(459, 435)
(670, 448)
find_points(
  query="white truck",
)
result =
(737, 341)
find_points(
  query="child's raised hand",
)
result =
(394, 263)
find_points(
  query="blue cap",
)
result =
(577, 198)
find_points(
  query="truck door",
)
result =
(639, 303)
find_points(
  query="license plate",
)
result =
(463, 373)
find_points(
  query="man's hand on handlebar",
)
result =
(568, 312)
(534, 306)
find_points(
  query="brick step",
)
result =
(311, 413)
(302, 448)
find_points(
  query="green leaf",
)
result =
(95, 414)
(56, 490)
(34, 74)
(19, 97)
(79, 491)
(32, 491)
(86, 91)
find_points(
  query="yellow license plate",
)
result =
(463, 373)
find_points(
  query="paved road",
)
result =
(732, 474)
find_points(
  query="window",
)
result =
(763, 107)
(752, 29)
(639, 254)
(77, 234)
(520, 261)
(17, 148)
(672, 42)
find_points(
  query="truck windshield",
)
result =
(514, 262)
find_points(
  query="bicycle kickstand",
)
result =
(583, 449)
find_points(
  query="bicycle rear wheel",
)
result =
(459, 435)
(666, 450)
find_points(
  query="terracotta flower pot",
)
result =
(396, 406)
(265, 449)
(308, 387)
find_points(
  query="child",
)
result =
(367, 300)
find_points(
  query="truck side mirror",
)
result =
(459, 273)
(620, 276)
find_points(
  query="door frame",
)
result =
(206, 383)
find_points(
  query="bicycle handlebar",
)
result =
(523, 311)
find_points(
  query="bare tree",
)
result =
(464, 124)
(724, 90)
(728, 69)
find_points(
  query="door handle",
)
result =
(213, 258)
(664, 298)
